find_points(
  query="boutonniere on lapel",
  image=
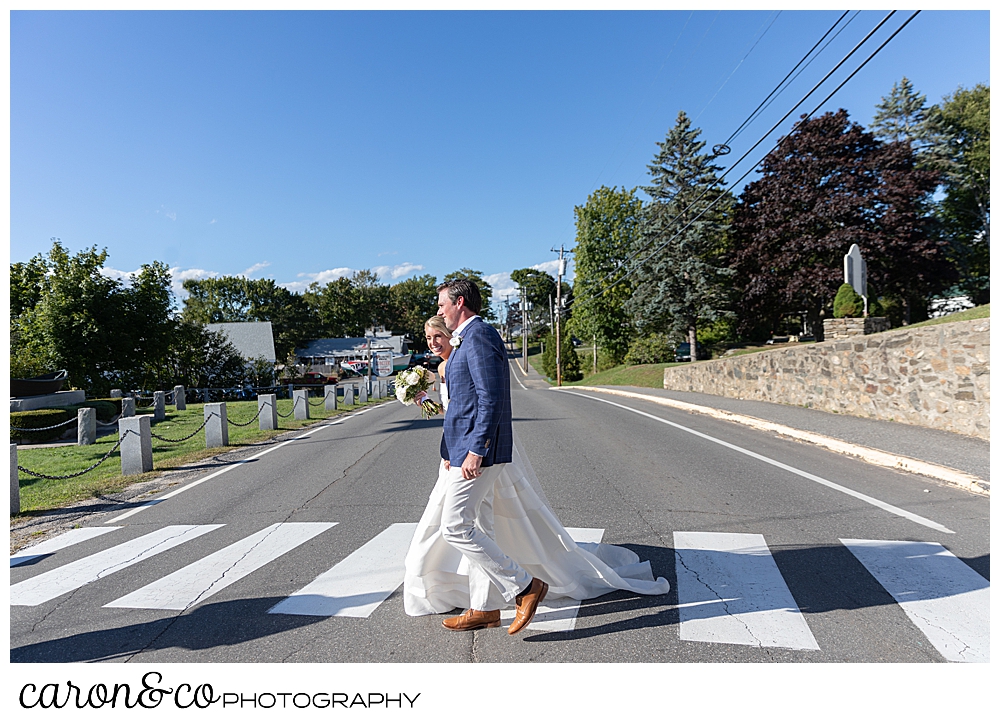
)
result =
(456, 341)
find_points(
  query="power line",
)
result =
(843, 60)
(719, 90)
(751, 169)
(760, 107)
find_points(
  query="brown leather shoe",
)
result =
(527, 604)
(473, 620)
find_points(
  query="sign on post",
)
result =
(383, 363)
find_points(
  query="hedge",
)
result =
(106, 410)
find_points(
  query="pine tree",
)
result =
(682, 282)
(902, 117)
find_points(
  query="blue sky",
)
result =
(300, 146)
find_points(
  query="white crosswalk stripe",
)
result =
(200, 580)
(68, 538)
(557, 615)
(730, 590)
(61, 580)
(729, 587)
(944, 597)
(359, 583)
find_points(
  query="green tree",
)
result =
(226, 299)
(540, 290)
(569, 359)
(65, 313)
(684, 280)
(485, 290)
(607, 230)
(349, 305)
(414, 301)
(962, 122)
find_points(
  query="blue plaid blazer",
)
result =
(478, 418)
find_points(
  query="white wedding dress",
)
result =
(436, 578)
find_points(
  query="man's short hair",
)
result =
(465, 288)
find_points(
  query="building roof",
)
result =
(348, 346)
(252, 339)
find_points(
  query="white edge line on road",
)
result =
(233, 465)
(868, 454)
(514, 363)
(801, 473)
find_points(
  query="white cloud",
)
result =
(255, 268)
(385, 273)
(124, 276)
(397, 271)
(212, 221)
(321, 278)
(178, 277)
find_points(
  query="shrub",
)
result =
(36, 418)
(570, 360)
(847, 303)
(652, 349)
(106, 409)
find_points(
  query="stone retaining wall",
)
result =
(932, 376)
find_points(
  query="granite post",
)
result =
(217, 427)
(86, 426)
(330, 396)
(180, 398)
(15, 485)
(300, 405)
(137, 444)
(159, 406)
(267, 405)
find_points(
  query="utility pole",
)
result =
(595, 353)
(562, 270)
(524, 331)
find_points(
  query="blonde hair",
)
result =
(437, 322)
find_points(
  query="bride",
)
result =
(521, 521)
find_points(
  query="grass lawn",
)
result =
(40, 494)
(640, 375)
(978, 312)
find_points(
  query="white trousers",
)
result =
(467, 525)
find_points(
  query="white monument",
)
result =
(856, 273)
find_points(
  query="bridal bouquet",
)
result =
(413, 384)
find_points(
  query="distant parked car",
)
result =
(683, 352)
(575, 341)
(778, 340)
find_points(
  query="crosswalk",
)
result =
(729, 588)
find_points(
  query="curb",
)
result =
(877, 457)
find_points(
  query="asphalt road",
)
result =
(771, 558)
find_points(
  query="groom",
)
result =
(477, 442)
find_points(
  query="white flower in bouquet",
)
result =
(412, 384)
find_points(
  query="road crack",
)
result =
(725, 606)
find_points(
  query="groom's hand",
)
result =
(470, 467)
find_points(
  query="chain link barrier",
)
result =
(44, 429)
(184, 439)
(247, 424)
(97, 464)
(112, 423)
(321, 402)
(294, 404)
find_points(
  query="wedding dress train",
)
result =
(437, 580)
